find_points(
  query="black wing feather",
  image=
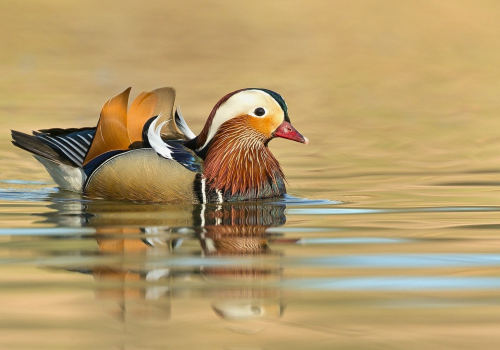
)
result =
(64, 146)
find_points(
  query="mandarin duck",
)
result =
(149, 154)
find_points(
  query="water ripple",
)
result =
(413, 283)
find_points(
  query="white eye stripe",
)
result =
(244, 102)
(257, 112)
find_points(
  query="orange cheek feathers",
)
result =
(265, 126)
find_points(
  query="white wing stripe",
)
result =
(75, 158)
(81, 147)
(155, 140)
(67, 142)
(182, 125)
(84, 139)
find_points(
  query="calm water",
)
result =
(390, 235)
(294, 273)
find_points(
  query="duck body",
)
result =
(117, 179)
(148, 153)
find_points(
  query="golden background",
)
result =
(400, 101)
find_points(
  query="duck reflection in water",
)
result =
(149, 255)
(236, 231)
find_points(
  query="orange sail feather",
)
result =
(111, 133)
(141, 110)
(118, 129)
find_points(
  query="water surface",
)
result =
(389, 238)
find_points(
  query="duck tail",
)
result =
(37, 147)
(65, 171)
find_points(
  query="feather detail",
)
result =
(63, 146)
(174, 150)
(111, 133)
(155, 140)
(182, 125)
(68, 177)
(141, 110)
(165, 107)
(117, 129)
(199, 141)
(240, 165)
(149, 104)
(38, 147)
(141, 175)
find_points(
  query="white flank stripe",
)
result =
(203, 194)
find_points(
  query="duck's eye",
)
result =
(259, 111)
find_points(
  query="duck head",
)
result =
(233, 142)
(261, 110)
